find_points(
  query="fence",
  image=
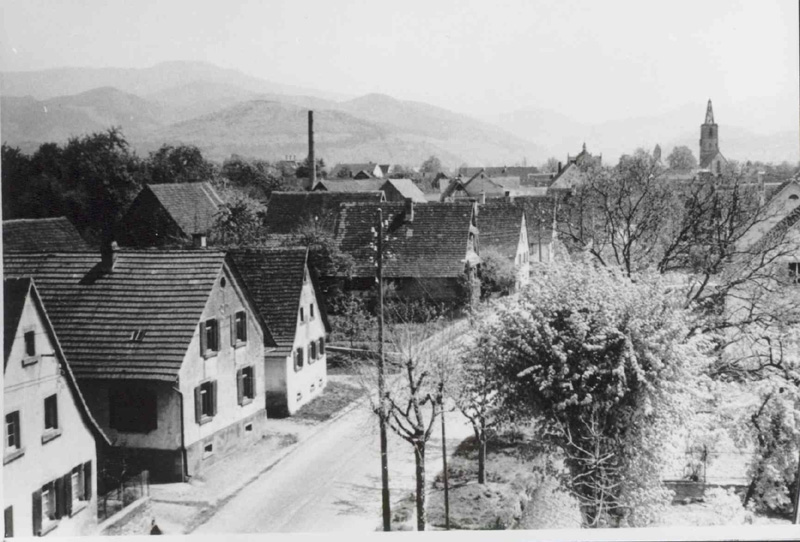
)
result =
(131, 489)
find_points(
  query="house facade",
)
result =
(288, 298)
(49, 452)
(166, 347)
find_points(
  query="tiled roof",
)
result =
(94, 313)
(41, 234)
(500, 223)
(15, 291)
(352, 168)
(288, 211)
(349, 185)
(193, 206)
(500, 171)
(777, 233)
(274, 280)
(433, 245)
(407, 189)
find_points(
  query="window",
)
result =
(13, 440)
(298, 359)
(51, 412)
(209, 337)
(30, 344)
(321, 346)
(239, 328)
(794, 272)
(78, 486)
(302, 315)
(205, 401)
(49, 502)
(246, 385)
(794, 197)
(311, 311)
(312, 352)
(132, 409)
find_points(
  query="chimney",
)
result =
(199, 240)
(559, 167)
(509, 197)
(108, 255)
(483, 197)
(409, 210)
(312, 174)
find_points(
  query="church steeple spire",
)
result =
(709, 113)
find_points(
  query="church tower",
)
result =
(709, 138)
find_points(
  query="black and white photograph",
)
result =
(280, 267)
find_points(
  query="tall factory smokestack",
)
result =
(312, 175)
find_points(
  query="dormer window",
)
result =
(137, 335)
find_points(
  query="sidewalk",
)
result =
(180, 507)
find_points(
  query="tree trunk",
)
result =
(419, 456)
(482, 460)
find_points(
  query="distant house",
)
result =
(481, 187)
(432, 248)
(49, 452)
(784, 200)
(289, 211)
(503, 227)
(368, 170)
(402, 189)
(349, 185)
(574, 173)
(167, 349)
(522, 173)
(42, 234)
(288, 298)
(170, 214)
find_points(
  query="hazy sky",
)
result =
(592, 60)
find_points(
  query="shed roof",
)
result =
(41, 234)
(193, 206)
(274, 279)
(435, 244)
(287, 211)
(94, 313)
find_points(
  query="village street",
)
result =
(332, 481)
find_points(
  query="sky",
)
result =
(590, 60)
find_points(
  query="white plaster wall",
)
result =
(222, 303)
(25, 389)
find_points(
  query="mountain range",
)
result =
(225, 111)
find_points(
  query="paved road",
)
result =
(331, 482)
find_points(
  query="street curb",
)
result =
(208, 511)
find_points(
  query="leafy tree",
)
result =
(604, 365)
(681, 159)
(240, 223)
(498, 273)
(344, 173)
(431, 166)
(257, 178)
(304, 170)
(178, 164)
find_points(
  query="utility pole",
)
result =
(387, 513)
(444, 470)
(797, 497)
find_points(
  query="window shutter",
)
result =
(37, 512)
(198, 404)
(218, 334)
(60, 504)
(240, 386)
(67, 483)
(8, 516)
(244, 326)
(233, 329)
(214, 398)
(87, 480)
(203, 338)
(253, 381)
(321, 346)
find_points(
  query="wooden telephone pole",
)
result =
(387, 512)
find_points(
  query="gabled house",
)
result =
(431, 249)
(289, 211)
(401, 190)
(783, 201)
(170, 215)
(287, 296)
(503, 227)
(574, 172)
(481, 187)
(368, 170)
(167, 349)
(50, 439)
(38, 234)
